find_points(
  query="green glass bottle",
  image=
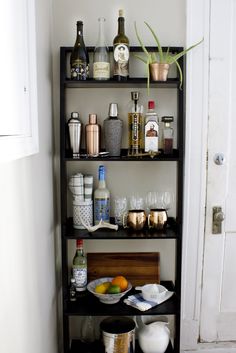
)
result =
(121, 51)
(79, 267)
(79, 60)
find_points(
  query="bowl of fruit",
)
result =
(109, 290)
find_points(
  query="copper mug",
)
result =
(157, 218)
(134, 219)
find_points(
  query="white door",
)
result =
(218, 309)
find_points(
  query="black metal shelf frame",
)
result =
(172, 306)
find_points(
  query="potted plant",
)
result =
(158, 63)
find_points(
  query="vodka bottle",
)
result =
(101, 198)
(79, 60)
(101, 61)
(151, 130)
(121, 51)
(79, 267)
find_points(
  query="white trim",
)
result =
(26, 143)
(197, 26)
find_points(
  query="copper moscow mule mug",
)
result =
(157, 218)
(134, 219)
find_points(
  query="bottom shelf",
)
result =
(97, 347)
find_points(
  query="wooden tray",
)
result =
(139, 268)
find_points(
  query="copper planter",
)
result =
(159, 72)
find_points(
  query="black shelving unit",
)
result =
(87, 303)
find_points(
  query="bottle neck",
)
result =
(79, 31)
(101, 37)
(121, 25)
(101, 181)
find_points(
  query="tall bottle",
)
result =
(135, 125)
(92, 136)
(101, 198)
(113, 127)
(79, 60)
(79, 267)
(121, 51)
(101, 61)
(151, 130)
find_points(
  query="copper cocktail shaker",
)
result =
(92, 136)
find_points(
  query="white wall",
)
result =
(27, 258)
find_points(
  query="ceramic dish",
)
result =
(106, 298)
(153, 292)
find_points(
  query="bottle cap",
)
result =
(101, 172)
(92, 118)
(135, 96)
(121, 13)
(113, 110)
(167, 119)
(79, 243)
(151, 105)
(74, 114)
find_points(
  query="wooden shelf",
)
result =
(171, 232)
(88, 304)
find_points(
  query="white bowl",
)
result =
(106, 298)
(153, 292)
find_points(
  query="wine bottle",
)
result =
(79, 60)
(121, 51)
(101, 61)
(101, 198)
(79, 267)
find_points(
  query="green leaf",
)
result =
(140, 58)
(157, 41)
(182, 53)
(140, 41)
(180, 74)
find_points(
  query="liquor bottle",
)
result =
(79, 60)
(101, 198)
(113, 131)
(151, 130)
(79, 267)
(168, 134)
(135, 125)
(101, 59)
(72, 290)
(121, 51)
(92, 136)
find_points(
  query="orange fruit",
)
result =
(121, 281)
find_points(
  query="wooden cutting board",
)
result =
(139, 268)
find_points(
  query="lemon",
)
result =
(102, 287)
(113, 289)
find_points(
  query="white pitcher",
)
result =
(153, 337)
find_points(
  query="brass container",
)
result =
(159, 72)
(157, 218)
(135, 219)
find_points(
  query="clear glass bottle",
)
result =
(151, 130)
(79, 267)
(88, 329)
(101, 59)
(101, 198)
(168, 134)
(121, 51)
(79, 60)
(135, 125)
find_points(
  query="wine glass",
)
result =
(168, 199)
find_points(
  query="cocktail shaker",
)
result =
(74, 125)
(113, 131)
(92, 136)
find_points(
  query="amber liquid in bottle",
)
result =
(121, 51)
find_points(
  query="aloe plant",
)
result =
(162, 57)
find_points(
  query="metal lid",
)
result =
(167, 119)
(74, 115)
(74, 118)
(135, 96)
(116, 325)
(92, 118)
(113, 110)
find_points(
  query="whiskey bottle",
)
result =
(79, 60)
(121, 51)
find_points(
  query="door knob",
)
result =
(217, 219)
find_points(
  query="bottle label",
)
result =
(80, 276)
(151, 136)
(101, 70)
(121, 60)
(135, 131)
(101, 210)
(79, 70)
